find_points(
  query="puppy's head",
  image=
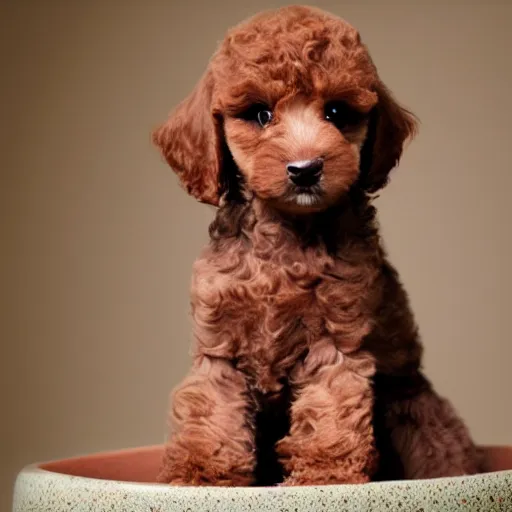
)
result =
(291, 110)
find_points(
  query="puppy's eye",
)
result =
(264, 117)
(260, 114)
(342, 115)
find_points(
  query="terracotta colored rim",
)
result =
(141, 464)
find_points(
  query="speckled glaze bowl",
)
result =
(123, 481)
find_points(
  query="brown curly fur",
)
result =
(307, 356)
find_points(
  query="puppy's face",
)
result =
(300, 153)
(293, 98)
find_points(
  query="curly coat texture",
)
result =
(307, 358)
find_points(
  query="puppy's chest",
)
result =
(266, 311)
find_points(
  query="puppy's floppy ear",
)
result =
(390, 127)
(191, 142)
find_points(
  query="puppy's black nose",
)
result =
(305, 173)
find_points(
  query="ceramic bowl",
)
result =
(124, 481)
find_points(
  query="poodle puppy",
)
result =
(307, 359)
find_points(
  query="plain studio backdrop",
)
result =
(98, 239)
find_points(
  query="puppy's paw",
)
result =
(193, 475)
(310, 478)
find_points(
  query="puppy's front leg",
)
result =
(331, 435)
(212, 442)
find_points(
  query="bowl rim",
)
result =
(37, 468)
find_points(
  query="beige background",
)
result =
(98, 239)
